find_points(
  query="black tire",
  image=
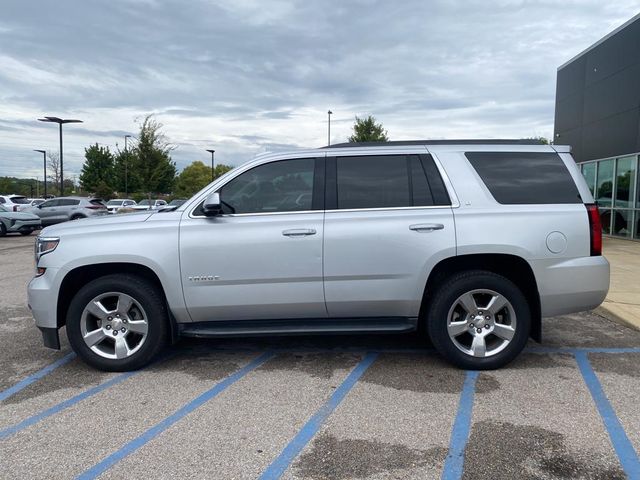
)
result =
(3, 229)
(26, 232)
(77, 217)
(151, 300)
(445, 299)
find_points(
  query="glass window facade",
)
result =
(614, 185)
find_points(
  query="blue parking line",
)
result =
(36, 376)
(7, 432)
(295, 446)
(454, 463)
(621, 444)
(160, 427)
(574, 350)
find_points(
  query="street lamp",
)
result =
(126, 166)
(60, 121)
(212, 153)
(329, 113)
(44, 164)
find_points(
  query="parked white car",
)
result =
(150, 205)
(14, 203)
(117, 204)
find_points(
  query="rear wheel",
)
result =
(479, 320)
(26, 232)
(118, 322)
(3, 229)
(77, 217)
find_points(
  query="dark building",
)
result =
(598, 114)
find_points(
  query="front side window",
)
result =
(50, 203)
(283, 186)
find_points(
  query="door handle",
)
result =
(299, 232)
(426, 227)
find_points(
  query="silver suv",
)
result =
(62, 209)
(474, 241)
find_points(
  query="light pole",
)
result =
(212, 153)
(329, 113)
(44, 164)
(60, 121)
(126, 166)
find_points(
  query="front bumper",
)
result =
(43, 302)
(24, 225)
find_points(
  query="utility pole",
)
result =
(212, 171)
(329, 113)
(44, 164)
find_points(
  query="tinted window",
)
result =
(20, 200)
(525, 177)
(419, 185)
(50, 203)
(285, 186)
(67, 202)
(2, 200)
(373, 182)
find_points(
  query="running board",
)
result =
(305, 326)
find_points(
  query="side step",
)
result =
(305, 326)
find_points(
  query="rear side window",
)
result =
(66, 202)
(525, 177)
(386, 181)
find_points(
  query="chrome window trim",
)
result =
(293, 212)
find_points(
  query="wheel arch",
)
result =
(513, 267)
(79, 276)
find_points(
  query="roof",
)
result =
(602, 40)
(438, 142)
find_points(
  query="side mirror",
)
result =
(39, 206)
(212, 205)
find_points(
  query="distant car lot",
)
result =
(317, 407)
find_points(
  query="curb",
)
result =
(606, 312)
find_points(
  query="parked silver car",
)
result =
(62, 209)
(475, 241)
(17, 222)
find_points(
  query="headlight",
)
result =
(45, 245)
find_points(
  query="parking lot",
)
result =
(317, 407)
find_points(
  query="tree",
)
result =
(367, 130)
(542, 140)
(53, 170)
(197, 176)
(153, 171)
(97, 171)
(125, 179)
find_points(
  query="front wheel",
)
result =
(479, 320)
(118, 322)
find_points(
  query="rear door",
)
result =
(388, 221)
(47, 210)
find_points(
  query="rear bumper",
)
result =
(573, 285)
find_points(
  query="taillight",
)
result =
(595, 229)
(15, 208)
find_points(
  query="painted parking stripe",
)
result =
(7, 432)
(308, 431)
(624, 449)
(157, 429)
(454, 462)
(36, 376)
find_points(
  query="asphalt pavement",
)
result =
(338, 407)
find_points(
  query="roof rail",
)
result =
(438, 142)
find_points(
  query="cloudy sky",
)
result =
(248, 76)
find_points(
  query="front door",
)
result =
(261, 258)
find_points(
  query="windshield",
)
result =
(114, 203)
(144, 202)
(19, 200)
